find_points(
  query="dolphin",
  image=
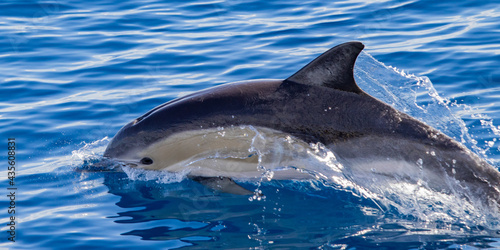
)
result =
(320, 103)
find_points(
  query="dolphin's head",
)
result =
(136, 143)
(131, 145)
(154, 138)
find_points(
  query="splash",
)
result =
(416, 96)
(88, 158)
(162, 177)
(411, 94)
(90, 151)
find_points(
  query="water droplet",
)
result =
(420, 162)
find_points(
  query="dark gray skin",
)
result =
(319, 103)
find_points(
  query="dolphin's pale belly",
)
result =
(236, 151)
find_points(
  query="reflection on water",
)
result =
(187, 213)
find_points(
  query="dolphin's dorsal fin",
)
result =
(333, 69)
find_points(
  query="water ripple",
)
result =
(75, 72)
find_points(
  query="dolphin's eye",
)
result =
(146, 161)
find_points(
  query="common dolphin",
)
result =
(321, 103)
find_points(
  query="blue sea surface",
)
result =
(74, 72)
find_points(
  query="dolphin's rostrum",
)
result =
(321, 103)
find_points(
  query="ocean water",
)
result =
(73, 73)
